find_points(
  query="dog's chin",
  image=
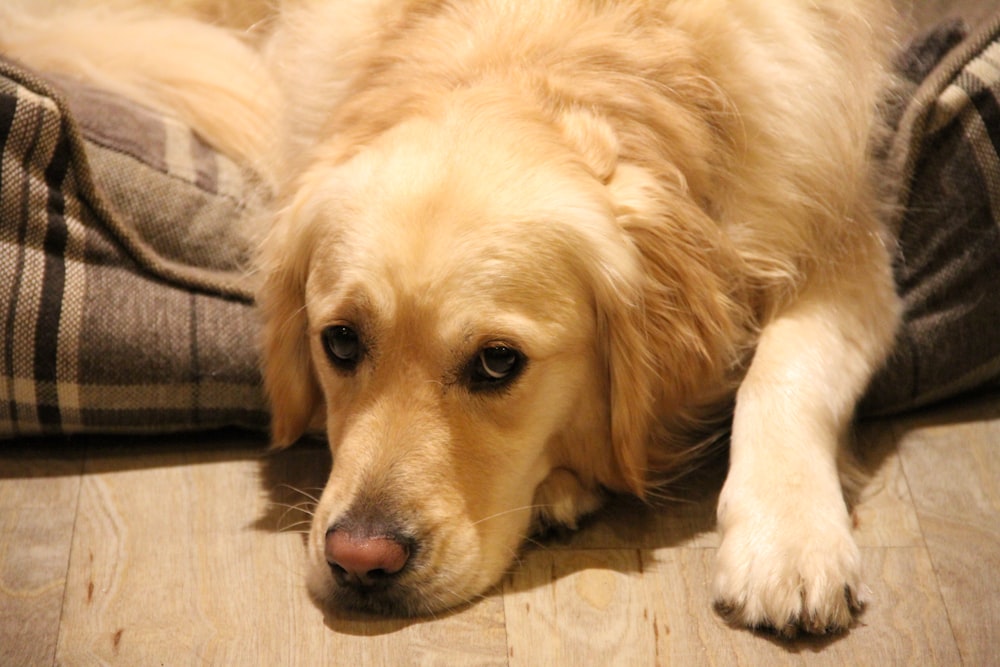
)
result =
(412, 595)
(392, 600)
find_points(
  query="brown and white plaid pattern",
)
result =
(122, 308)
(948, 264)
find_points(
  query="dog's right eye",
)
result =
(343, 346)
(494, 367)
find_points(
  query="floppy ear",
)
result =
(671, 324)
(289, 379)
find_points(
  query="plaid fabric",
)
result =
(124, 308)
(948, 265)
(124, 305)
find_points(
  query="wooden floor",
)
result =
(183, 551)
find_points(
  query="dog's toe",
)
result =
(789, 623)
(788, 618)
(789, 581)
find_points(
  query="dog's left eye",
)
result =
(495, 366)
(342, 346)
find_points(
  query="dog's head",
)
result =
(489, 316)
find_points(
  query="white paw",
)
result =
(561, 501)
(787, 566)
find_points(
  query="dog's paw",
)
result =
(788, 570)
(561, 501)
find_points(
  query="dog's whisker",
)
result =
(308, 515)
(515, 555)
(308, 510)
(295, 527)
(294, 532)
(301, 492)
(510, 511)
(302, 506)
(535, 542)
(300, 527)
(305, 508)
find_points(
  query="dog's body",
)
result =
(527, 252)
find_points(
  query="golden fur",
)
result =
(665, 209)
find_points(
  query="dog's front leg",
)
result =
(788, 560)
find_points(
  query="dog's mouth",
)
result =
(389, 596)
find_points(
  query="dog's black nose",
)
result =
(365, 561)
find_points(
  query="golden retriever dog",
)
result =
(524, 255)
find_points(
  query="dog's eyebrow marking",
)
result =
(352, 305)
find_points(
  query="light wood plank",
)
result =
(906, 624)
(39, 486)
(884, 515)
(33, 558)
(601, 607)
(38, 473)
(474, 635)
(174, 560)
(953, 467)
(578, 608)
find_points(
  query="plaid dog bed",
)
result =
(947, 151)
(124, 304)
